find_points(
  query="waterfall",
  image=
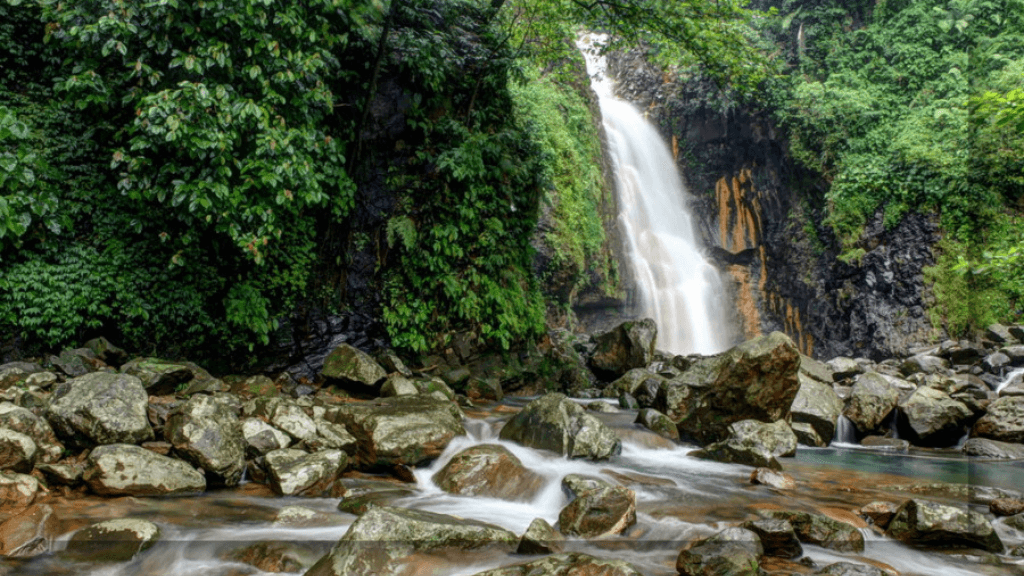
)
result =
(676, 285)
(846, 432)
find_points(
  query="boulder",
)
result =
(628, 345)
(575, 484)
(814, 370)
(572, 564)
(777, 537)
(850, 569)
(488, 470)
(17, 451)
(484, 389)
(127, 470)
(1015, 354)
(985, 448)
(17, 490)
(821, 530)
(291, 419)
(1006, 506)
(113, 540)
(398, 385)
(931, 418)
(261, 437)
(62, 474)
(886, 443)
(107, 352)
(817, 404)
(924, 364)
(13, 373)
(330, 436)
(999, 334)
(1004, 421)
(753, 443)
(872, 400)
(353, 366)
(731, 552)
(995, 362)
(302, 517)
(379, 539)
(540, 538)
(296, 473)
(806, 435)
(631, 381)
(772, 479)
(161, 377)
(100, 408)
(880, 513)
(409, 430)
(930, 523)
(29, 532)
(208, 435)
(756, 380)
(658, 423)
(270, 556)
(628, 402)
(602, 511)
(553, 422)
(843, 368)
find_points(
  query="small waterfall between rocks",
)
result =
(677, 287)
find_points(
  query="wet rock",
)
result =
(886, 443)
(29, 532)
(1015, 354)
(330, 436)
(379, 539)
(100, 408)
(815, 370)
(602, 511)
(484, 389)
(553, 422)
(932, 418)
(756, 380)
(772, 479)
(359, 503)
(408, 430)
(572, 564)
(631, 381)
(575, 484)
(753, 443)
(871, 401)
(1004, 421)
(17, 451)
(272, 557)
(658, 423)
(924, 364)
(843, 368)
(933, 524)
(777, 537)
(208, 435)
(1006, 506)
(850, 569)
(62, 474)
(17, 490)
(1000, 334)
(628, 345)
(398, 385)
(540, 538)
(821, 530)
(392, 363)
(995, 362)
(253, 386)
(302, 517)
(113, 540)
(124, 469)
(353, 366)
(817, 404)
(261, 437)
(806, 435)
(74, 363)
(732, 552)
(433, 385)
(488, 470)
(41, 380)
(601, 407)
(880, 513)
(292, 419)
(107, 352)
(296, 473)
(985, 448)
(1016, 521)
(628, 402)
(159, 377)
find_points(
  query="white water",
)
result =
(677, 287)
(1011, 378)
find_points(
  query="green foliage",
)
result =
(966, 301)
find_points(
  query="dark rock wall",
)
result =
(762, 219)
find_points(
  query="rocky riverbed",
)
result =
(607, 457)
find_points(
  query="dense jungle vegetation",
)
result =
(172, 172)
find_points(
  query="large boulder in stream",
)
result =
(408, 430)
(489, 470)
(207, 434)
(731, 552)
(930, 523)
(932, 418)
(100, 408)
(753, 443)
(296, 473)
(817, 405)
(1004, 421)
(756, 380)
(821, 530)
(378, 540)
(553, 422)
(117, 540)
(872, 400)
(600, 511)
(572, 564)
(127, 470)
(628, 345)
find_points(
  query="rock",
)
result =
(484, 389)
(602, 511)
(880, 513)
(753, 443)
(159, 377)
(379, 539)
(488, 470)
(1006, 506)
(408, 430)
(62, 474)
(208, 435)
(1016, 521)
(575, 484)
(353, 366)
(628, 402)
(995, 362)
(628, 345)
(850, 569)
(12, 373)
(302, 517)
(553, 422)
(731, 552)
(1000, 334)
(1004, 421)
(291, 419)
(253, 386)
(756, 380)
(924, 364)
(100, 408)
(817, 404)
(296, 473)
(540, 538)
(821, 530)
(41, 380)
(985, 448)
(572, 564)
(932, 418)
(843, 368)
(17, 490)
(74, 363)
(772, 479)
(392, 363)
(107, 352)
(929, 523)
(269, 556)
(330, 436)
(434, 384)
(29, 532)
(806, 435)
(871, 401)
(658, 423)
(601, 407)
(124, 469)
(777, 537)
(816, 371)
(261, 437)
(1015, 354)
(398, 385)
(886, 443)
(17, 451)
(631, 381)
(113, 540)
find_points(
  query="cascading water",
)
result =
(678, 288)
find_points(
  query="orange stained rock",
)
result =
(746, 304)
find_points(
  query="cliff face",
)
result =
(762, 219)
